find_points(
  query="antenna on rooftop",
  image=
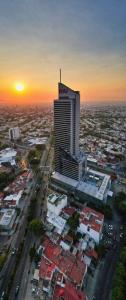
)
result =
(60, 75)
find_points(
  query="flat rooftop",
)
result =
(6, 216)
(55, 199)
(94, 184)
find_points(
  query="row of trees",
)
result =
(34, 155)
(119, 286)
(120, 204)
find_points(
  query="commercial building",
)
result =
(71, 171)
(14, 133)
(91, 223)
(68, 159)
(95, 186)
(8, 155)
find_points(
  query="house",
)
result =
(68, 292)
(55, 204)
(91, 223)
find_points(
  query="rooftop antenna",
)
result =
(60, 75)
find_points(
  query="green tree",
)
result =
(123, 256)
(36, 226)
(118, 293)
(73, 221)
(2, 261)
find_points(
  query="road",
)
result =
(11, 260)
(24, 265)
(105, 278)
(104, 281)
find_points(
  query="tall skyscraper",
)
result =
(68, 159)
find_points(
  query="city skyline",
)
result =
(86, 39)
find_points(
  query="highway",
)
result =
(105, 278)
(30, 239)
(11, 261)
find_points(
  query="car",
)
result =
(2, 296)
(13, 251)
(17, 290)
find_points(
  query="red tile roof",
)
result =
(92, 218)
(69, 210)
(92, 253)
(72, 266)
(46, 269)
(68, 292)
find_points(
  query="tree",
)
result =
(123, 256)
(36, 226)
(101, 250)
(118, 293)
(73, 221)
(2, 261)
(41, 147)
(120, 204)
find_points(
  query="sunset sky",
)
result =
(85, 38)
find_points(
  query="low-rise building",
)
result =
(55, 204)
(91, 223)
(57, 221)
(7, 218)
(13, 199)
(72, 267)
(68, 292)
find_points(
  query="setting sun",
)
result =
(19, 87)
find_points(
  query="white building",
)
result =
(37, 141)
(8, 155)
(91, 223)
(55, 204)
(94, 186)
(57, 221)
(13, 199)
(7, 218)
(14, 133)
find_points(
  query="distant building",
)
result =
(37, 141)
(68, 159)
(14, 133)
(91, 223)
